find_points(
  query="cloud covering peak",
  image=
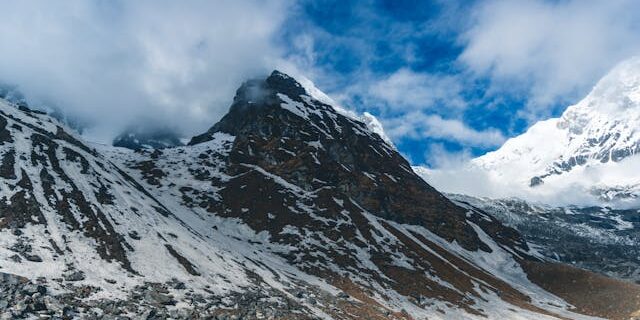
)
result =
(110, 63)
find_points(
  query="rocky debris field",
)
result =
(21, 298)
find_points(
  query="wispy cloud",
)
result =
(438, 156)
(409, 90)
(418, 125)
(522, 60)
(551, 50)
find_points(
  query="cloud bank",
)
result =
(110, 63)
(551, 50)
(597, 185)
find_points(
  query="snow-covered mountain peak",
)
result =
(619, 89)
(615, 97)
(589, 151)
(601, 127)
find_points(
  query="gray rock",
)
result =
(39, 306)
(10, 279)
(42, 289)
(53, 304)
(75, 276)
(179, 286)
(33, 257)
(69, 312)
(30, 289)
(158, 298)
(20, 307)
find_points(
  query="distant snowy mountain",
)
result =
(287, 208)
(137, 138)
(588, 155)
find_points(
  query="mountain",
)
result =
(583, 157)
(138, 137)
(568, 185)
(600, 239)
(588, 151)
(287, 208)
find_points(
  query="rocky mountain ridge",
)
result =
(285, 209)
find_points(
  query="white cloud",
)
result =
(573, 188)
(439, 157)
(406, 89)
(413, 104)
(418, 125)
(116, 61)
(555, 49)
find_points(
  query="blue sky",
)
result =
(418, 52)
(449, 80)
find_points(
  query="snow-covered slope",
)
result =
(284, 209)
(588, 155)
(67, 212)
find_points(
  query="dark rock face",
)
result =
(536, 181)
(325, 149)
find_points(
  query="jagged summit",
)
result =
(283, 96)
(275, 96)
(283, 83)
